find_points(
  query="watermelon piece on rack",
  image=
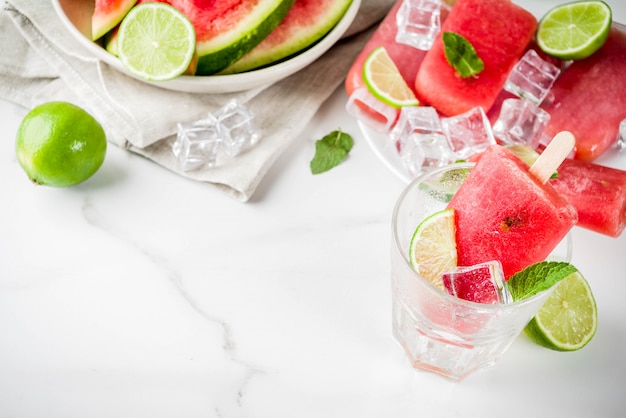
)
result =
(597, 192)
(500, 31)
(589, 98)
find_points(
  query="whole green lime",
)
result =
(59, 144)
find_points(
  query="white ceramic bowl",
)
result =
(76, 17)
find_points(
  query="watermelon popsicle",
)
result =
(406, 58)
(590, 91)
(597, 192)
(509, 212)
(499, 31)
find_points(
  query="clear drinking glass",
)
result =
(439, 332)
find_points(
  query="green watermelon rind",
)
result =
(303, 38)
(219, 52)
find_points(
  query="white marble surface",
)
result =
(141, 294)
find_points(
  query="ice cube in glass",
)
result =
(236, 127)
(418, 22)
(520, 122)
(196, 144)
(482, 283)
(468, 133)
(419, 139)
(363, 106)
(532, 77)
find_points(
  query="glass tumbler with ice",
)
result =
(442, 333)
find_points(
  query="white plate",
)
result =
(383, 148)
(74, 16)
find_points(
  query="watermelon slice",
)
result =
(499, 31)
(598, 193)
(108, 14)
(227, 29)
(305, 24)
(504, 213)
(589, 98)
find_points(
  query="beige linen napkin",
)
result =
(41, 61)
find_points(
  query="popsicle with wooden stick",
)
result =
(509, 212)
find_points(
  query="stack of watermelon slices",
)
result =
(236, 35)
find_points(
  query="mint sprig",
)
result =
(461, 55)
(330, 151)
(537, 278)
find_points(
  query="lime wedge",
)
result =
(384, 81)
(574, 31)
(568, 319)
(156, 42)
(433, 246)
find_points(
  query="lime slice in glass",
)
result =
(433, 246)
(156, 42)
(574, 31)
(384, 81)
(568, 319)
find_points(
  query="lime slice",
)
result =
(384, 81)
(433, 246)
(156, 41)
(574, 31)
(568, 319)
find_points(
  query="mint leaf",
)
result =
(537, 278)
(461, 55)
(330, 151)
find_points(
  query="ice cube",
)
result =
(520, 122)
(482, 283)
(468, 133)
(420, 140)
(378, 116)
(196, 144)
(418, 22)
(532, 77)
(236, 127)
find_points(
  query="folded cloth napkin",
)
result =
(41, 61)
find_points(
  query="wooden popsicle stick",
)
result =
(551, 158)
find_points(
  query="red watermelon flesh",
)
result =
(107, 14)
(212, 17)
(500, 31)
(589, 98)
(482, 283)
(598, 193)
(504, 213)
